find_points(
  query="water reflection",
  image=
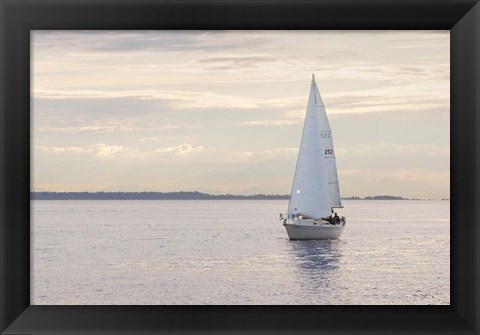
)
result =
(317, 264)
(321, 254)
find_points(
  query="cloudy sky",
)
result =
(222, 111)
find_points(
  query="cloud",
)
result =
(81, 43)
(73, 150)
(269, 123)
(96, 126)
(394, 156)
(400, 174)
(413, 183)
(213, 155)
(105, 43)
(383, 101)
(287, 119)
(176, 99)
(220, 155)
(226, 62)
(438, 178)
(382, 150)
(228, 105)
(104, 150)
(100, 150)
(182, 149)
(160, 138)
(275, 154)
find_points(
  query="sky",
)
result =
(222, 111)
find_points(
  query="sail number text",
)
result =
(328, 151)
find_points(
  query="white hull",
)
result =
(299, 230)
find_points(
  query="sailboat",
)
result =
(315, 189)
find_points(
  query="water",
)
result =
(235, 253)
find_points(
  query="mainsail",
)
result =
(315, 188)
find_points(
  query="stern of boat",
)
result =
(312, 229)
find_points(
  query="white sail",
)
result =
(315, 188)
(331, 175)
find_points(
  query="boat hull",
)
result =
(312, 232)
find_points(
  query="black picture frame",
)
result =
(19, 17)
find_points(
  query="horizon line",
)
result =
(263, 195)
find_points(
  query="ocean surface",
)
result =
(236, 252)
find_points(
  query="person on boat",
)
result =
(328, 219)
(336, 219)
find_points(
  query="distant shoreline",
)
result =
(180, 196)
(149, 196)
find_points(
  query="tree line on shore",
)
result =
(149, 196)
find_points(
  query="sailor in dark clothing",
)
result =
(336, 219)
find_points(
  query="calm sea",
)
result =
(235, 253)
